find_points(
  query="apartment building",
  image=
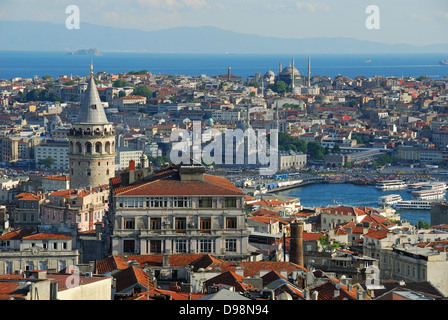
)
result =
(177, 210)
(76, 207)
(26, 249)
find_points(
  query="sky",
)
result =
(417, 22)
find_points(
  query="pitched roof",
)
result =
(132, 276)
(110, 264)
(172, 186)
(229, 278)
(16, 234)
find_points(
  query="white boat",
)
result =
(434, 186)
(391, 185)
(429, 194)
(389, 199)
(413, 204)
(416, 185)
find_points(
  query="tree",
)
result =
(143, 91)
(46, 77)
(121, 83)
(121, 94)
(253, 83)
(422, 225)
(336, 149)
(279, 86)
(47, 162)
(315, 150)
(141, 72)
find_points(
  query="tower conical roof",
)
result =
(92, 111)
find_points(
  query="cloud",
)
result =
(418, 17)
(444, 15)
(312, 7)
(174, 4)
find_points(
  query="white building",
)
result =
(124, 155)
(58, 150)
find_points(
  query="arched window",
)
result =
(88, 148)
(79, 147)
(98, 147)
(71, 147)
(107, 146)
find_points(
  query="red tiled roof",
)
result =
(16, 234)
(172, 186)
(229, 278)
(158, 294)
(132, 276)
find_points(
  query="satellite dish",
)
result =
(338, 286)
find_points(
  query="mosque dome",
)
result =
(288, 71)
(269, 74)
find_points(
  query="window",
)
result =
(29, 266)
(155, 246)
(55, 245)
(180, 246)
(129, 224)
(181, 202)
(205, 246)
(230, 202)
(205, 225)
(231, 245)
(128, 246)
(231, 223)
(155, 223)
(205, 202)
(180, 225)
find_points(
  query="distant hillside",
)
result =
(44, 36)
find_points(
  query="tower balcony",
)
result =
(90, 133)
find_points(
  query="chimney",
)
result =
(336, 294)
(296, 243)
(314, 295)
(131, 165)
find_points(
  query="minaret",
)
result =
(228, 74)
(91, 142)
(292, 76)
(280, 67)
(276, 115)
(309, 72)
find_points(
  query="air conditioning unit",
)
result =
(88, 274)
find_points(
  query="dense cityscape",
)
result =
(93, 207)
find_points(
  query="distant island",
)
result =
(86, 52)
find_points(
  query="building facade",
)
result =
(178, 210)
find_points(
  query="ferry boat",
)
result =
(434, 186)
(413, 205)
(429, 194)
(416, 185)
(391, 185)
(389, 199)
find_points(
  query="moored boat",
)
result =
(413, 205)
(391, 185)
(389, 199)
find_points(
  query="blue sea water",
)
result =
(29, 64)
(321, 195)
